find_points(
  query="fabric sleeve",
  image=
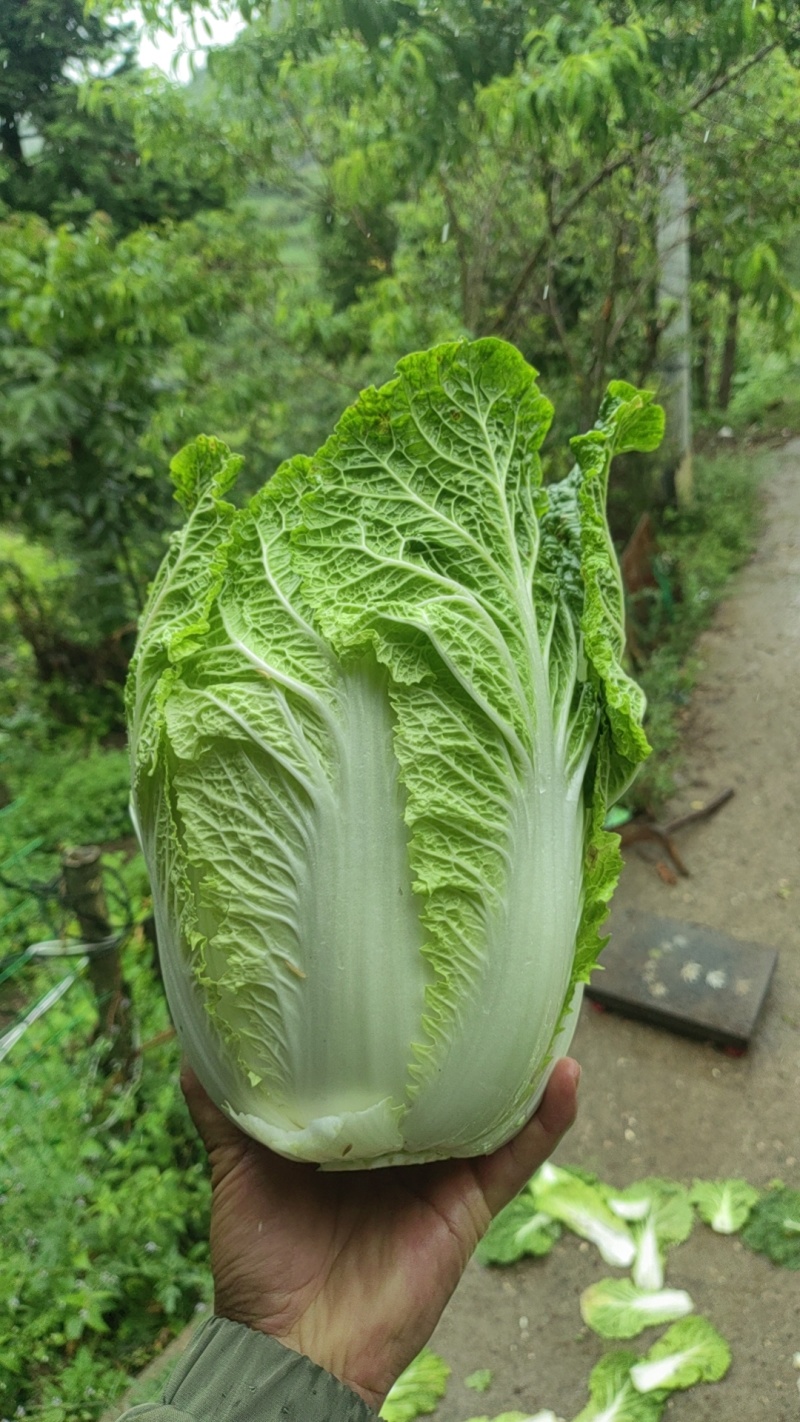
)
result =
(230, 1373)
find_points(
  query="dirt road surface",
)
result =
(655, 1104)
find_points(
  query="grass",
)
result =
(700, 547)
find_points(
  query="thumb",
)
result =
(502, 1175)
(224, 1142)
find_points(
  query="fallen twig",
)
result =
(702, 814)
(638, 830)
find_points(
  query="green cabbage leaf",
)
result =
(690, 1352)
(660, 1215)
(418, 1390)
(545, 1415)
(725, 1205)
(377, 716)
(616, 1308)
(583, 1208)
(613, 1397)
(480, 1380)
(773, 1227)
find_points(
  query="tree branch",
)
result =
(624, 316)
(623, 159)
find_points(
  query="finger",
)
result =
(502, 1175)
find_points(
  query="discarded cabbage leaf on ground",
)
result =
(616, 1308)
(543, 1416)
(377, 717)
(583, 1208)
(690, 1352)
(480, 1380)
(725, 1205)
(613, 1398)
(660, 1215)
(518, 1230)
(418, 1389)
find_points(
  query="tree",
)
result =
(500, 161)
(56, 158)
(103, 342)
(743, 157)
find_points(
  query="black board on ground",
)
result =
(683, 976)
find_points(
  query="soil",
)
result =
(653, 1103)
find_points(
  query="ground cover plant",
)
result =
(701, 546)
(103, 1207)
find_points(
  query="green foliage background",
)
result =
(104, 1210)
(349, 180)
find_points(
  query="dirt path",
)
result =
(655, 1104)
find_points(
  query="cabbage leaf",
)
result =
(545, 1415)
(660, 1215)
(773, 1227)
(418, 1390)
(480, 1380)
(690, 1352)
(518, 1230)
(583, 1208)
(616, 1308)
(725, 1205)
(613, 1397)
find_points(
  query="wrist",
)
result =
(331, 1353)
(334, 1360)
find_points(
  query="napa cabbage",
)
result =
(377, 715)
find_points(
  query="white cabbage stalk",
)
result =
(631, 1210)
(583, 1209)
(648, 1266)
(376, 717)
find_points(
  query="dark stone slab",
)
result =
(683, 976)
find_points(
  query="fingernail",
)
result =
(575, 1071)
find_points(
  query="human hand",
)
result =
(353, 1269)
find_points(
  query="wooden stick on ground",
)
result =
(83, 894)
(636, 831)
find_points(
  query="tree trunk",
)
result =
(10, 140)
(729, 349)
(82, 892)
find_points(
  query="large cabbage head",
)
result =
(376, 718)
